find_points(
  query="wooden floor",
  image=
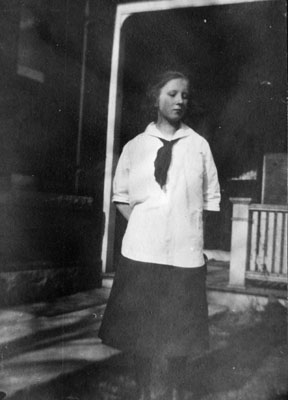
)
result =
(218, 279)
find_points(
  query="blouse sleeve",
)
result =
(211, 188)
(121, 179)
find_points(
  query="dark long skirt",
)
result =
(157, 309)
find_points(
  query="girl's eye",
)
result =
(173, 94)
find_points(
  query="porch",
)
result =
(256, 268)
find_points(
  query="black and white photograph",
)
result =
(143, 200)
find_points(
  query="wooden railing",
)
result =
(258, 243)
(267, 243)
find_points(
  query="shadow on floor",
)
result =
(252, 365)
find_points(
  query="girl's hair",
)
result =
(157, 85)
(161, 81)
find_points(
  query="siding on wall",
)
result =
(275, 178)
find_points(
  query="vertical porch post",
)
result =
(239, 241)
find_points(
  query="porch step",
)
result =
(217, 255)
(107, 280)
(216, 310)
(267, 284)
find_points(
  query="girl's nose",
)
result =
(179, 99)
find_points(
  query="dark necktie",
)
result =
(163, 160)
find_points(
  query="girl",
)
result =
(165, 179)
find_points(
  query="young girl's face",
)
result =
(173, 100)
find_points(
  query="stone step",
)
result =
(216, 310)
(42, 341)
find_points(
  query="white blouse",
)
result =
(166, 225)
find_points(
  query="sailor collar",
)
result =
(182, 132)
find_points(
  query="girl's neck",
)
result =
(166, 128)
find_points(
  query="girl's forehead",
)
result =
(177, 84)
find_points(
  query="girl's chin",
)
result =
(175, 120)
(177, 116)
(172, 120)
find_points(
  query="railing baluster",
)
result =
(278, 260)
(274, 243)
(285, 246)
(282, 245)
(249, 240)
(261, 242)
(253, 246)
(258, 240)
(266, 235)
(269, 256)
(278, 243)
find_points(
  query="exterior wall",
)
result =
(275, 178)
(40, 120)
(49, 245)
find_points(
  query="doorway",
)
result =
(229, 51)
